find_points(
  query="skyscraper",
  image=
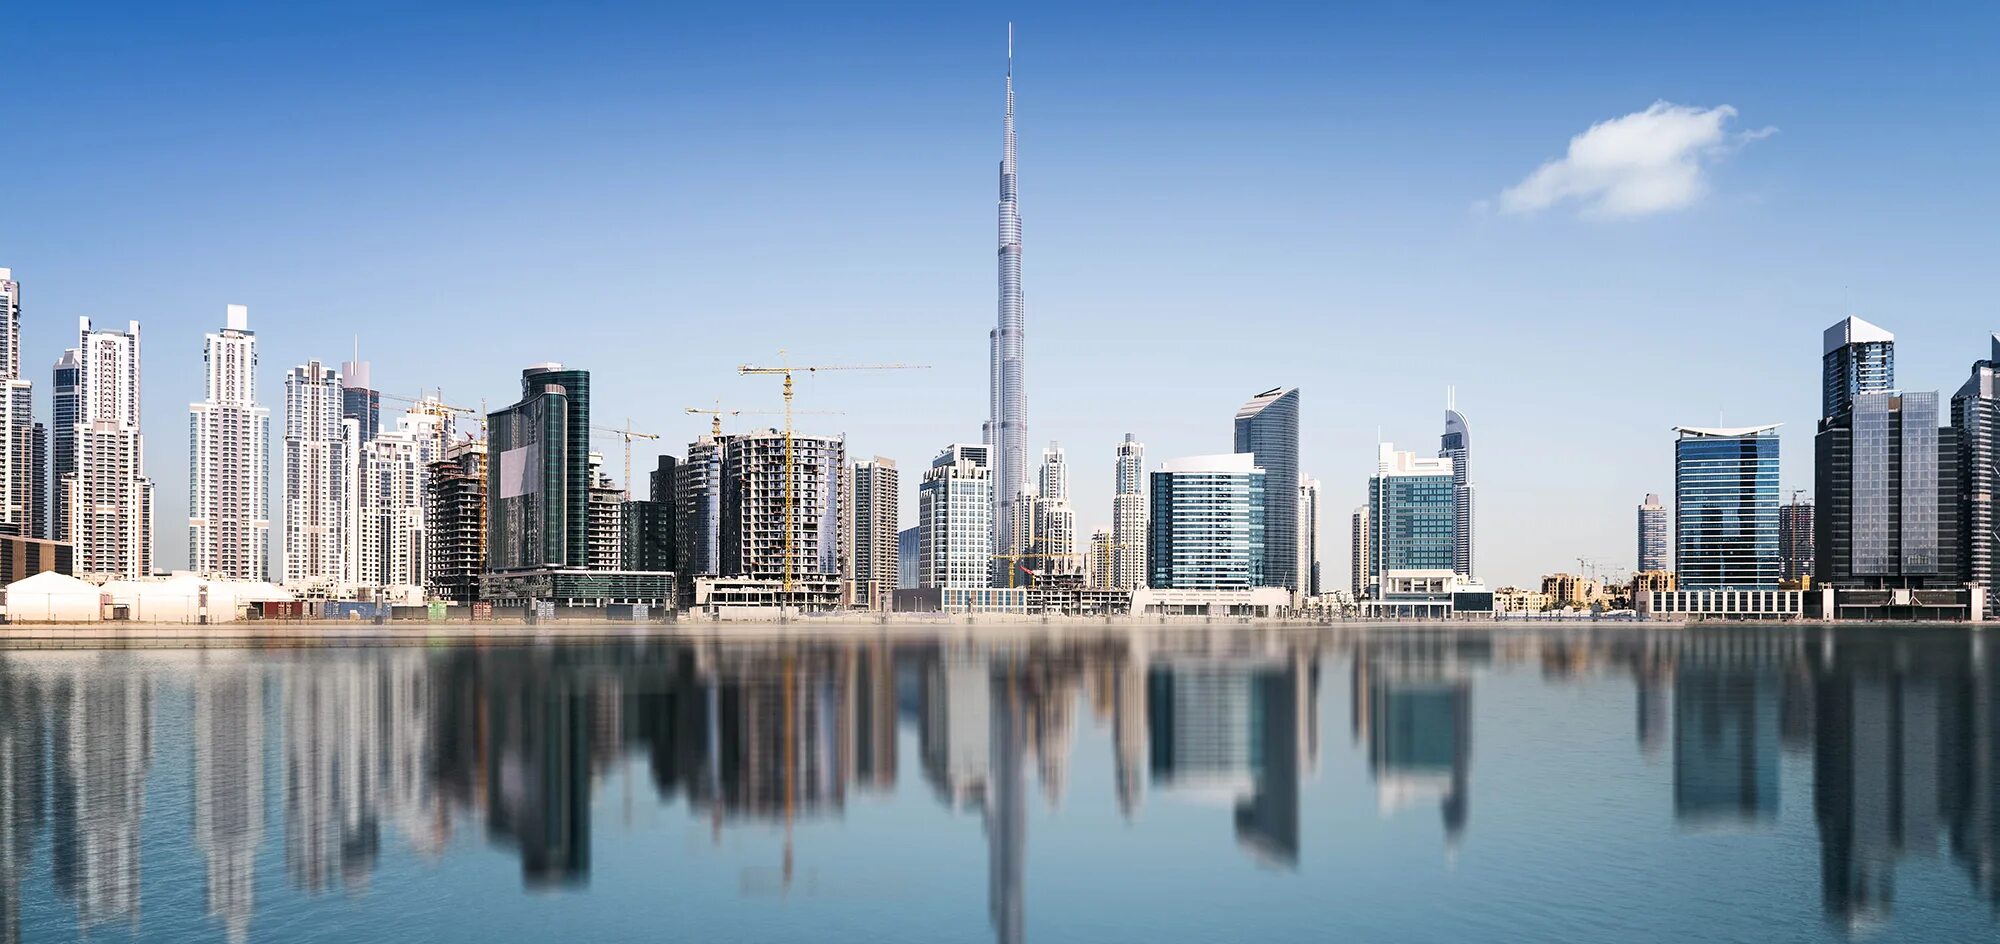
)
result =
(607, 519)
(229, 489)
(698, 508)
(954, 526)
(1655, 533)
(1209, 522)
(1795, 539)
(1975, 413)
(63, 412)
(19, 474)
(389, 544)
(1007, 423)
(538, 473)
(1267, 428)
(1412, 510)
(107, 499)
(877, 512)
(1726, 508)
(1128, 516)
(315, 477)
(1885, 474)
(754, 537)
(359, 401)
(1055, 520)
(455, 524)
(1358, 563)
(1456, 445)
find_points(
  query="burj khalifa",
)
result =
(1006, 427)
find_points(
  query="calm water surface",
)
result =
(1227, 785)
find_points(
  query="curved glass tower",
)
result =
(1007, 424)
(1456, 445)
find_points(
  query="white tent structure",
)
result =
(50, 597)
(178, 599)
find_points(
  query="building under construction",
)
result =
(734, 511)
(456, 523)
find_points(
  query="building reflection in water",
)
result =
(1412, 705)
(386, 751)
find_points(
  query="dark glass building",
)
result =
(1795, 539)
(1726, 508)
(1267, 427)
(538, 473)
(62, 439)
(359, 401)
(1975, 414)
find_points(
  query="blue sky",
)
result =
(1217, 198)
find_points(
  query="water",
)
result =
(1225, 785)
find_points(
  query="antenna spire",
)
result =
(1010, 49)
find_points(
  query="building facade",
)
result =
(1309, 583)
(1975, 414)
(229, 488)
(21, 477)
(1655, 536)
(538, 474)
(607, 519)
(1456, 445)
(1726, 508)
(455, 524)
(65, 405)
(1412, 517)
(754, 519)
(389, 544)
(698, 508)
(1128, 516)
(107, 498)
(1006, 428)
(1267, 429)
(1055, 539)
(954, 520)
(1795, 540)
(1208, 524)
(359, 400)
(877, 514)
(1359, 557)
(315, 473)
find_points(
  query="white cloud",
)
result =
(1645, 162)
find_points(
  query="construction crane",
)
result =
(718, 413)
(435, 406)
(786, 370)
(628, 435)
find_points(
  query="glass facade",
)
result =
(1207, 526)
(1268, 429)
(1726, 509)
(1412, 522)
(538, 473)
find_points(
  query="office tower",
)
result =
(315, 477)
(1456, 445)
(63, 411)
(1267, 428)
(1654, 532)
(1358, 563)
(1055, 520)
(1208, 524)
(698, 505)
(1097, 569)
(954, 526)
(754, 517)
(1309, 536)
(229, 490)
(1726, 508)
(107, 499)
(389, 542)
(455, 524)
(607, 519)
(1975, 413)
(1412, 515)
(1855, 358)
(538, 474)
(908, 544)
(1007, 423)
(877, 510)
(19, 473)
(1885, 473)
(1795, 539)
(359, 401)
(1128, 516)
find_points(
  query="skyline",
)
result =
(1331, 221)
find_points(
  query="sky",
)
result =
(1594, 221)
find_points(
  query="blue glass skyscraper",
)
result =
(1267, 428)
(1726, 508)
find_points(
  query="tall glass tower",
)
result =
(1267, 427)
(1456, 445)
(1007, 423)
(1726, 508)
